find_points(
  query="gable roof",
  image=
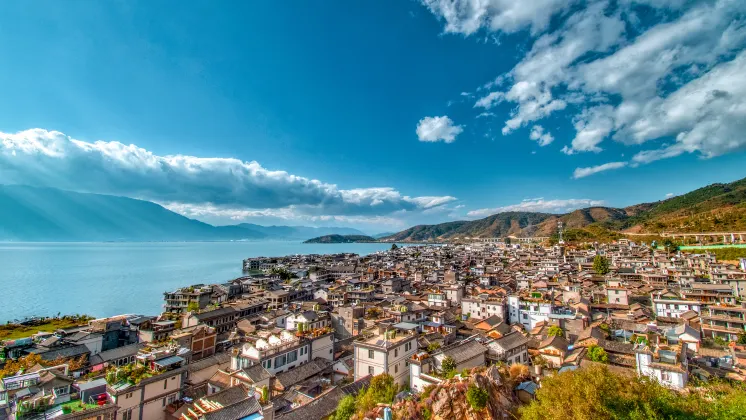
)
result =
(301, 373)
(464, 351)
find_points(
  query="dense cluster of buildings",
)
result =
(296, 334)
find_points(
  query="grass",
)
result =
(77, 405)
(15, 331)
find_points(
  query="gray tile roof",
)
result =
(325, 404)
(235, 411)
(462, 352)
(303, 372)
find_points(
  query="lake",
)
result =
(104, 279)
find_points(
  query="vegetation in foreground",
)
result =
(596, 393)
(11, 331)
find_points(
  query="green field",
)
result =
(14, 331)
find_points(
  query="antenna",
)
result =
(559, 228)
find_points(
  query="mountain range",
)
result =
(716, 207)
(48, 214)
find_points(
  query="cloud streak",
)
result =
(540, 205)
(584, 172)
(50, 158)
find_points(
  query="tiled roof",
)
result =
(238, 410)
(326, 403)
(465, 351)
(301, 373)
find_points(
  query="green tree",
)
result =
(448, 365)
(742, 338)
(670, 246)
(555, 331)
(600, 265)
(598, 354)
(477, 397)
(394, 247)
(346, 408)
(193, 307)
(432, 347)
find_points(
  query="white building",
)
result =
(673, 308)
(667, 367)
(282, 352)
(483, 308)
(388, 352)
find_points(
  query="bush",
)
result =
(448, 365)
(600, 265)
(346, 408)
(477, 397)
(555, 331)
(518, 371)
(598, 354)
(597, 393)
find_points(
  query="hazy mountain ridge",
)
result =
(48, 214)
(714, 207)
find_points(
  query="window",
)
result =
(396, 352)
(165, 383)
(371, 370)
(525, 316)
(171, 398)
(371, 354)
(396, 368)
(280, 360)
(292, 356)
(127, 414)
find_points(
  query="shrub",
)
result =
(346, 408)
(598, 354)
(518, 371)
(555, 331)
(448, 365)
(477, 397)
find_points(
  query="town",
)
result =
(297, 334)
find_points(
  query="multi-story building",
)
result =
(482, 308)
(668, 305)
(387, 352)
(222, 319)
(510, 348)
(179, 301)
(529, 311)
(727, 322)
(282, 352)
(348, 321)
(148, 398)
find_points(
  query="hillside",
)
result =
(47, 214)
(715, 207)
(340, 239)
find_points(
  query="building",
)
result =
(147, 399)
(386, 352)
(727, 322)
(222, 319)
(466, 354)
(200, 340)
(668, 367)
(187, 298)
(483, 308)
(509, 349)
(281, 352)
(671, 306)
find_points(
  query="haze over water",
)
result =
(103, 279)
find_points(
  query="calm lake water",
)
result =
(103, 279)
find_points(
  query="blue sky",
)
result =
(378, 115)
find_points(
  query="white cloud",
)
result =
(433, 129)
(541, 137)
(50, 158)
(469, 16)
(584, 172)
(540, 205)
(669, 195)
(679, 79)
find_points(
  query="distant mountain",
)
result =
(298, 232)
(340, 239)
(47, 214)
(716, 207)
(383, 234)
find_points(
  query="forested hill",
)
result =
(711, 208)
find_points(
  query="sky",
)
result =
(376, 115)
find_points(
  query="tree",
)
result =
(742, 338)
(670, 246)
(448, 365)
(598, 354)
(346, 408)
(600, 265)
(432, 347)
(477, 397)
(394, 247)
(193, 307)
(555, 331)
